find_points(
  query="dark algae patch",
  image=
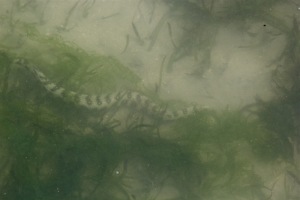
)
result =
(43, 159)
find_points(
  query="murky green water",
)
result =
(88, 89)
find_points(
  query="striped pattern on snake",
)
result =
(106, 101)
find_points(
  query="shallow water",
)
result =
(236, 59)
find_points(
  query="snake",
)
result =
(105, 101)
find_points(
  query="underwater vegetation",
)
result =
(282, 115)
(45, 156)
(201, 20)
(51, 149)
(41, 159)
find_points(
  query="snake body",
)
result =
(106, 101)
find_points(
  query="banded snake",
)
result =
(106, 101)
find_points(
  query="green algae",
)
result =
(48, 160)
(48, 153)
